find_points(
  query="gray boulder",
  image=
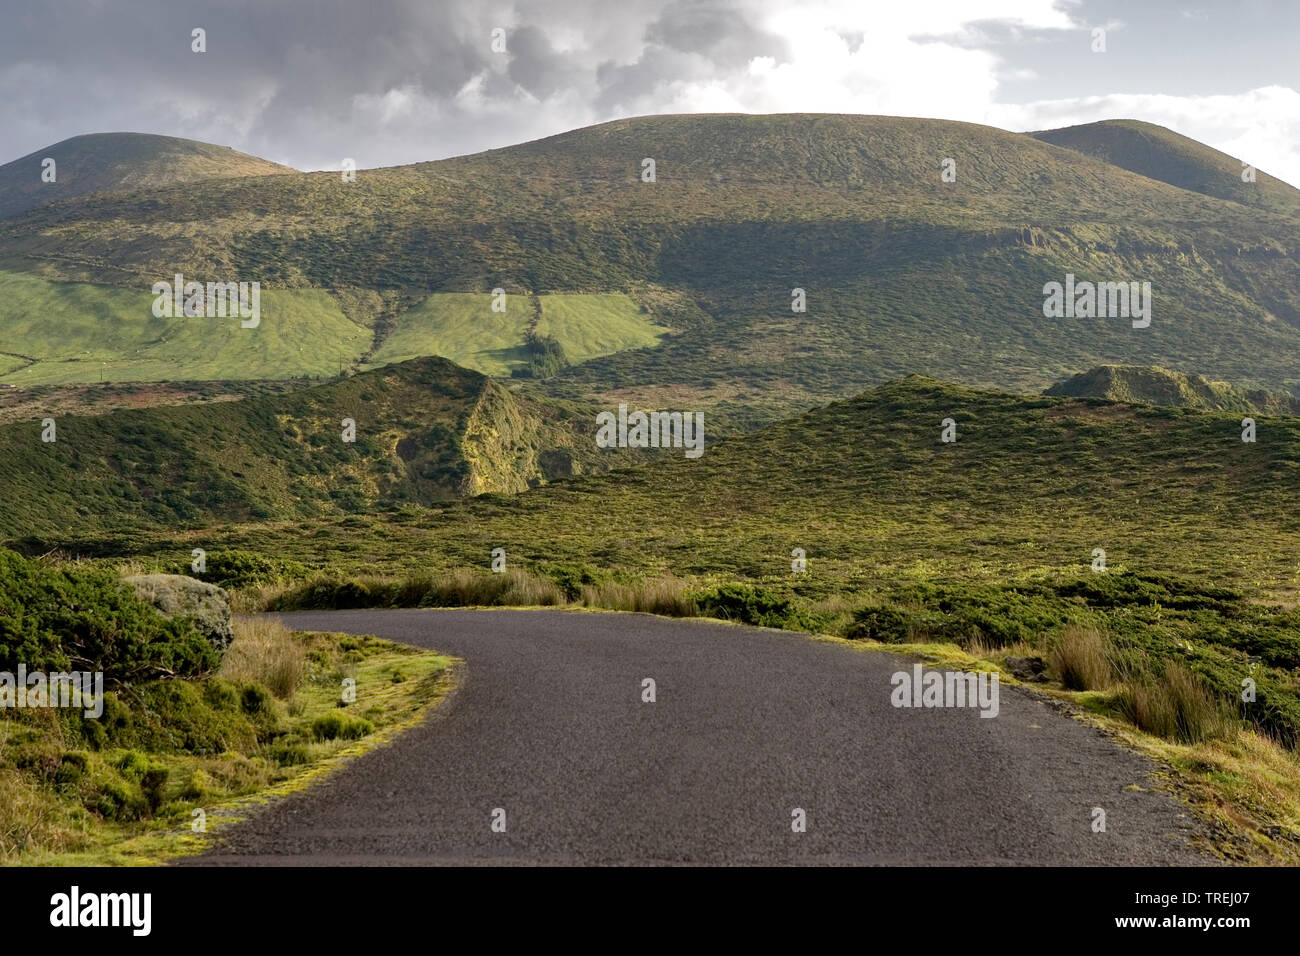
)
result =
(175, 595)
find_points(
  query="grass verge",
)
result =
(174, 754)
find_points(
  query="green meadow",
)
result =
(461, 326)
(84, 332)
(588, 326)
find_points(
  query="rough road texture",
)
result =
(548, 724)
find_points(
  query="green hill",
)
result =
(903, 272)
(1157, 386)
(116, 161)
(867, 488)
(1161, 154)
(988, 541)
(427, 431)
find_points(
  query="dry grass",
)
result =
(667, 596)
(1175, 705)
(30, 818)
(1083, 659)
(265, 651)
(475, 588)
(252, 598)
(465, 588)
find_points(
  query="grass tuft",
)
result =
(1082, 659)
(1174, 705)
(264, 651)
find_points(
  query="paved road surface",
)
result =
(549, 725)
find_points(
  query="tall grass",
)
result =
(265, 651)
(30, 819)
(1175, 705)
(459, 588)
(463, 588)
(1082, 658)
(668, 596)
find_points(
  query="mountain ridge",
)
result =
(902, 271)
(97, 162)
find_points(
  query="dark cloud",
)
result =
(536, 65)
(720, 31)
(689, 40)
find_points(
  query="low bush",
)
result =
(750, 604)
(340, 726)
(80, 617)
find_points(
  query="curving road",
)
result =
(548, 724)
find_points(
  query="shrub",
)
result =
(81, 617)
(340, 726)
(236, 568)
(749, 604)
(208, 717)
(154, 784)
(889, 625)
(290, 755)
(118, 800)
(197, 786)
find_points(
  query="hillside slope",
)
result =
(1161, 154)
(104, 161)
(903, 272)
(426, 431)
(868, 490)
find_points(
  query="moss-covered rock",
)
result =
(177, 596)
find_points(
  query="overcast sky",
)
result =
(309, 82)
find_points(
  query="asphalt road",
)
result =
(549, 725)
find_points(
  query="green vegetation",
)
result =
(125, 788)
(426, 431)
(1133, 627)
(60, 619)
(867, 489)
(588, 326)
(677, 295)
(904, 273)
(463, 328)
(1157, 386)
(545, 357)
(1169, 157)
(102, 161)
(70, 332)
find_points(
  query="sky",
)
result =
(386, 82)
